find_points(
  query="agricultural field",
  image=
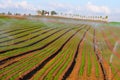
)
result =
(58, 49)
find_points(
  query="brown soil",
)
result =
(14, 60)
(107, 69)
(109, 45)
(17, 59)
(84, 76)
(75, 73)
(46, 72)
(114, 35)
(13, 16)
(31, 72)
(93, 72)
(118, 71)
(102, 74)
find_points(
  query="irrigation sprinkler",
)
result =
(111, 58)
(114, 50)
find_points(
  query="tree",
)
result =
(96, 17)
(106, 18)
(9, 13)
(53, 13)
(100, 17)
(29, 14)
(24, 14)
(43, 12)
(2, 13)
(17, 14)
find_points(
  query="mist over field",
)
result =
(59, 40)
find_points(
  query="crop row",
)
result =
(106, 47)
(37, 60)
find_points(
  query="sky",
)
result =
(83, 7)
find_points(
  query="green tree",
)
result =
(2, 13)
(9, 13)
(100, 17)
(29, 14)
(43, 12)
(106, 17)
(53, 13)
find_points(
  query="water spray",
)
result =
(114, 50)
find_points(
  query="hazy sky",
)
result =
(82, 7)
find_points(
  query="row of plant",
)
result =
(2, 36)
(33, 46)
(63, 46)
(10, 24)
(108, 54)
(34, 39)
(108, 36)
(89, 59)
(5, 31)
(30, 36)
(42, 57)
(21, 35)
(59, 64)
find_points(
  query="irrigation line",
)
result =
(68, 72)
(98, 56)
